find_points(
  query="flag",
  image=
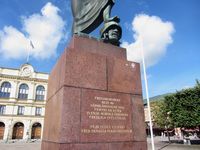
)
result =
(32, 44)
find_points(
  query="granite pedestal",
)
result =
(94, 100)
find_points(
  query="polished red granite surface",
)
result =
(94, 100)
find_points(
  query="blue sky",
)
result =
(169, 29)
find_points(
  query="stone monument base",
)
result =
(96, 146)
(94, 100)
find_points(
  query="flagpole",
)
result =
(27, 59)
(147, 95)
(31, 44)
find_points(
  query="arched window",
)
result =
(2, 128)
(23, 91)
(18, 131)
(5, 90)
(36, 131)
(40, 92)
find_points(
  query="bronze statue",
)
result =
(89, 14)
(111, 33)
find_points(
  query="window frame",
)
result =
(20, 110)
(40, 93)
(5, 90)
(38, 111)
(2, 109)
(23, 91)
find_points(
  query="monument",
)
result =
(89, 14)
(94, 99)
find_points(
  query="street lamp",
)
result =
(167, 126)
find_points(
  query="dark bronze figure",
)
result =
(111, 33)
(89, 14)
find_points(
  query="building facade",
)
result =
(22, 103)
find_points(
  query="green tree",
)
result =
(159, 113)
(184, 107)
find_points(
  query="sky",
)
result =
(168, 32)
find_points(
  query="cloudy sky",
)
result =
(168, 31)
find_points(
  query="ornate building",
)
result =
(22, 103)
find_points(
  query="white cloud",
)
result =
(13, 43)
(156, 36)
(45, 30)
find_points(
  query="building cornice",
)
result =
(21, 116)
(23, 78)
(18, 70)
(22, 102)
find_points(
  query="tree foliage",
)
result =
(181, 109)
(159, 113)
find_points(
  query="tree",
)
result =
(184, 107)
(159, 113)
(181, 109)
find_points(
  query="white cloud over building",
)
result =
(45, 30)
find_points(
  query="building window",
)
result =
(40, 92)
(38, 111)
(5, 90)
(2, 109)
(23, 91)
(20, 110)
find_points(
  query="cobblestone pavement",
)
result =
(159, 145)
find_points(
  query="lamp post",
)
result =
(167, 126)
(149, 131)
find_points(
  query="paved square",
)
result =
(158, 146)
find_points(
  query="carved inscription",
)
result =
(106, 115)
(107, 109)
